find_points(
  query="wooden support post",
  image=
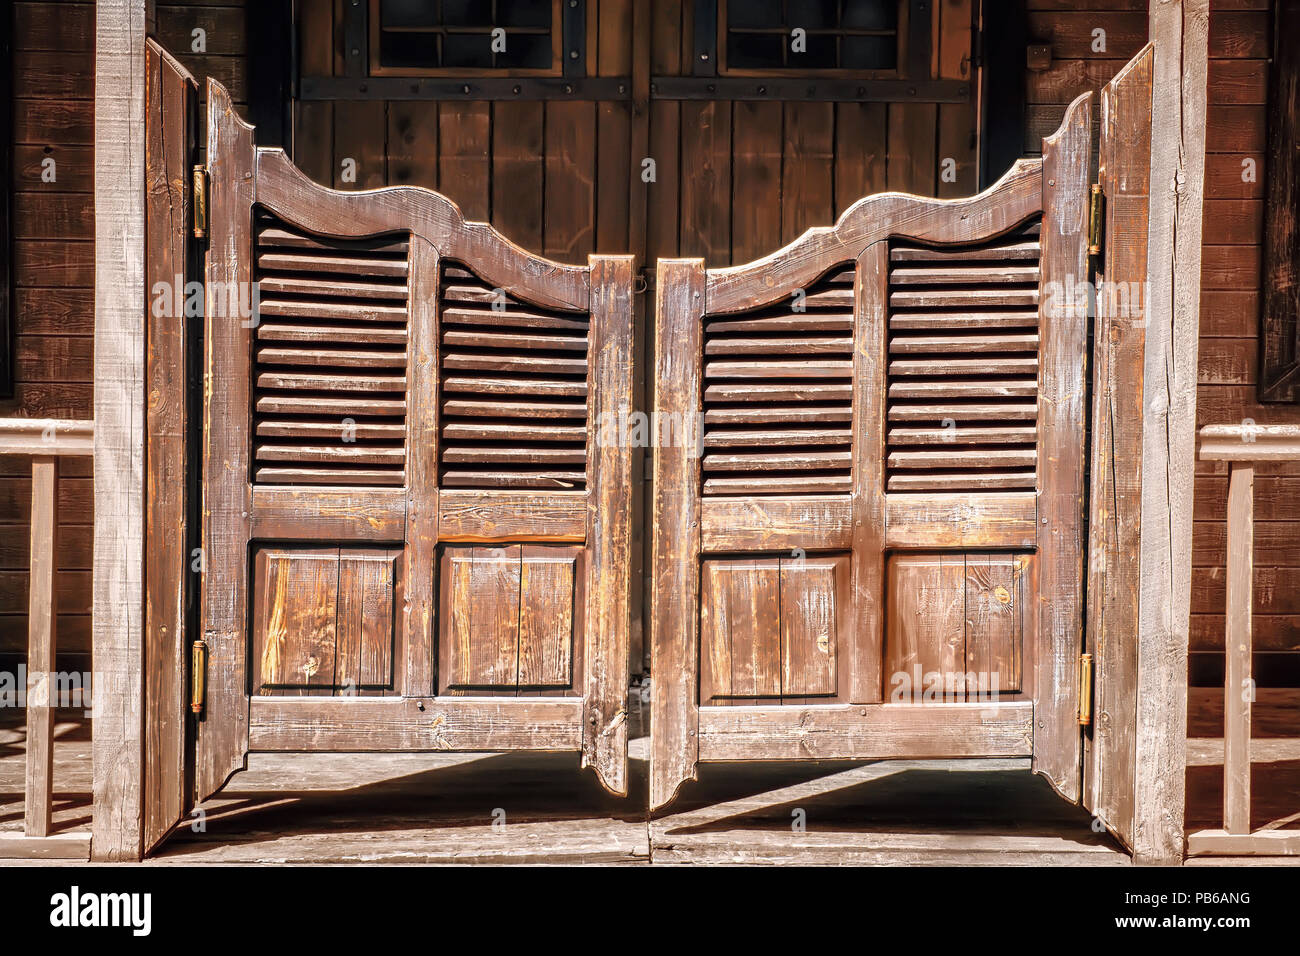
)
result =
(40, 650)
(1238, 689)
(118, 588)
(1179, 32)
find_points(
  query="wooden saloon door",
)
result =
(870, 471)
(413, 539)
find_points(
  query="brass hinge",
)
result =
(200, 184)
(1085, 690)
(1096, 223)
(198, 676)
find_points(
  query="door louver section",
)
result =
(513, 389)
(963, 365)
(777, 394)
(329, 364)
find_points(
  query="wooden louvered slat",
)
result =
(329, 369)
(963, 370)
(512, 391)
(777, 387)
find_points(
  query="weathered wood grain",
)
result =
(169, 134)
(611, 488)
(675, 519)
(222, 731)
(1062, 413)
(119, 401)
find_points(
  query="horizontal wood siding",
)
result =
(53, 252)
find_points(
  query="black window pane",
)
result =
(869, 53)
(811, 14)
(754, 13)
(467, 49)
(523, 13)
(755, 51)
(466, 13)
(526, 51)
(408, 50)
(408, 13)
(870, 14)
(819, 54)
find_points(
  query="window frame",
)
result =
(560, 14)
(903, 61)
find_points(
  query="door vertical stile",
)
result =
(222, 740)
(868, 573)
(419, 588)
(675, 520)
(609, 522)
(1116, 474)
(1062, 388)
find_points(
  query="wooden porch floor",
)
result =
(440, 808)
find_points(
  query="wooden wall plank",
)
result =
(705, 180)
(756, 150)
(569, 233)
(518, 171)
(807, 168)
(464, 158)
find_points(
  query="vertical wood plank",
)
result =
(926, 630)
(756, 148)
(360, 136)
(118, 587)
(364, 660)
(169, 140)
(418, 584)
(546, 616)
(483, 629)
(570, 201)
(860, 131)
(1062, 358)
(811, 607)
(807, 168)
(518, 171)
(740, 625)
(464, 160)
(222, 741)
(1238, 687)
(958, 122)
(1180, 33)
(870, 314)
(994, 622)
(675, 518)
(313, 150)
(661, 195)
(911, 164)
(706, 181)
(607, 631)
(1116, 473)
(39, 785)
(412, 150)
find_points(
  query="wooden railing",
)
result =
(45, 441)
(1242, 446)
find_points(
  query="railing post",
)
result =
(1238, 688)
(37, 815)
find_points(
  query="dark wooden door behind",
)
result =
(413, 539)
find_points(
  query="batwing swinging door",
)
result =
(412, 539)
(869, 487)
